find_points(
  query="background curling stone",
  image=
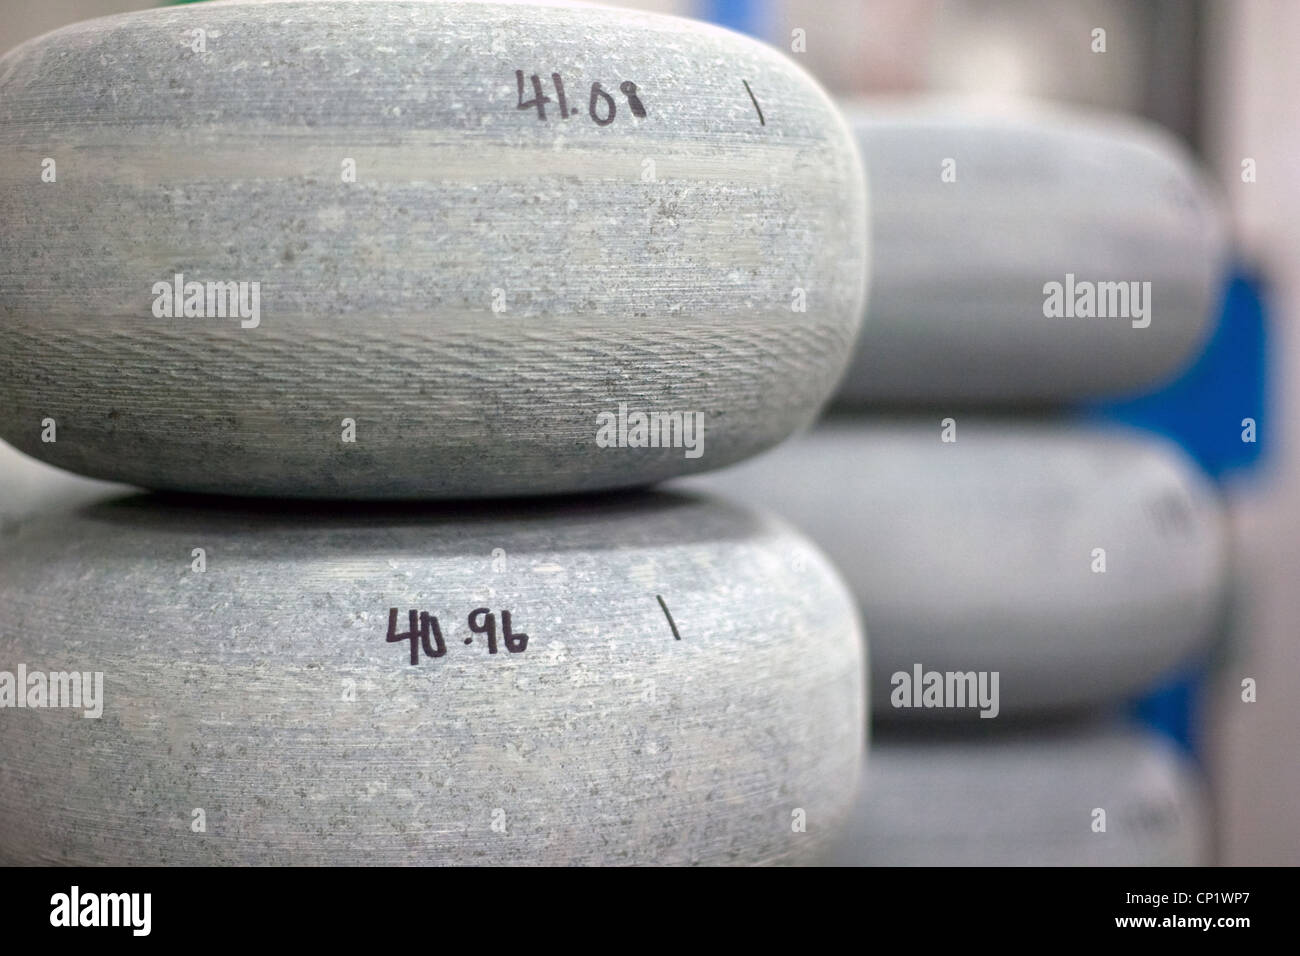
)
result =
(265, 692)
(1027, 797)
(979, 554)
(442, 258)
(956, 310)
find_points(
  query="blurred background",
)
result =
(1223, 75)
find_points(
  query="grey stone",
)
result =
(956, 309)
(1027, 797)
(977, 555)
(656, 261)
(264, 692)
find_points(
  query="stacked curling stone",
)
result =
(487, 240)
(1020, 576)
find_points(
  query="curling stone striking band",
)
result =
(1044, 256)
(417, 249)
(1027, 797)
(1077, 563)
(675, 680)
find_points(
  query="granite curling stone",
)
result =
(1078, 563)
(417, 249)
(1041, 254)
(657, 679)
(1057, 796)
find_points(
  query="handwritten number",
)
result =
(488, 626)
(412, 635)
(539, 99)
(596, 91)
(559, 93)
(425, 631)
(515, 643)
(427, 622)
(628, 88)
(601, 116)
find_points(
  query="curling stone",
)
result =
(418, 249)
(653, 679)
(1078, 563)
(1042, 254)
(1097, 795)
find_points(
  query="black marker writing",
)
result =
(425, 632)
(601, 106)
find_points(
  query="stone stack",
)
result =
(358, 263)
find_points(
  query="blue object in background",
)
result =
(745, 16)
(1172, 709)
(1203, 410)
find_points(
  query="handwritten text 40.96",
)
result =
(424, 631)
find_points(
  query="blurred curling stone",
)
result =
(1080, 564)
(1092, 795)
(976, 213)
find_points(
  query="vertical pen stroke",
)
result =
(669, 616)
(754, 100)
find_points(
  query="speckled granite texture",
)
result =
(264, 692)
(708, 257)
